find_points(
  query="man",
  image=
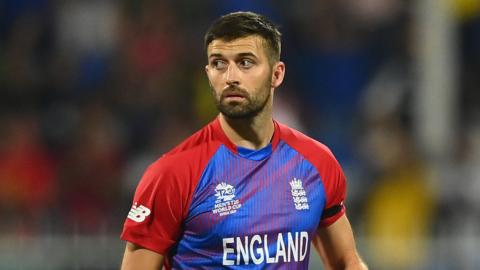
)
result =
(245, 191)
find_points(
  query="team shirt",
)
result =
(210, 204)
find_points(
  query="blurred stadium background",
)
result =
(91, 92)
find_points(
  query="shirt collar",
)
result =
(220, 134)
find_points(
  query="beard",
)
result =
(250, 107)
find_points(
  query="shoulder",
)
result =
(313, 150)
(190, 156)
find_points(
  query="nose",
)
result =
(231, 75)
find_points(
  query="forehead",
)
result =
(250, 44)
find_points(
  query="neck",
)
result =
(252, 133)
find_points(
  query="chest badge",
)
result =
(225, 203)
(299, 196)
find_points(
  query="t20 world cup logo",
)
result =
(225, 202)
(224, 192)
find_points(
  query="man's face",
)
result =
(240, 76)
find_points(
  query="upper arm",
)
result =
(154, 221)
(336, 246)
(136, 257)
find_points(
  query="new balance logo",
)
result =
(138, 213)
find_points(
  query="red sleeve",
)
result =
(328, 168)
(163, 196)
(335, 189)
(157, 212)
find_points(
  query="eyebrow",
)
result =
(213, 55)
(247, 54)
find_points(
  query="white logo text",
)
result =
(138, 214)
(225, 204)
(254, 249)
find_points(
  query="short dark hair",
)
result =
(242, 24)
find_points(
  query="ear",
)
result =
(278, 74)
(207, 70)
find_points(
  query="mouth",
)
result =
(234, 99)
(234, 95)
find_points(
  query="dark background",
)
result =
(91, 92)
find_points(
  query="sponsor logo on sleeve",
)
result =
(138, 213)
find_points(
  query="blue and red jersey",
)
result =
(211, 204)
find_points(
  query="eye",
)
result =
(246, 63)
(219, 64)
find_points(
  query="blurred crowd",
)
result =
(92, 92)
